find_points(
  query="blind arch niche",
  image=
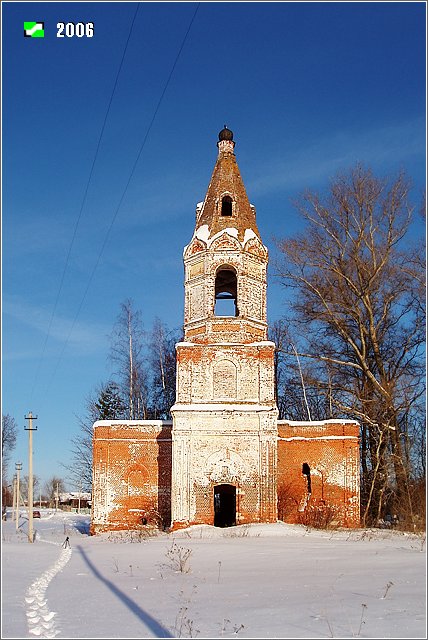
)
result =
(225, 380)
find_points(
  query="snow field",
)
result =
(252, 581)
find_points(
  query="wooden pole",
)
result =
(30, 430)
(18, 467)
(14, 498)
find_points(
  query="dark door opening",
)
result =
(224, 505)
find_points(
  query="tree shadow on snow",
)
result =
(158, 630)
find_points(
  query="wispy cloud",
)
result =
(384, 147)
(48, 232)
(83, 338)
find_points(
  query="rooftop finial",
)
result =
(225, 134)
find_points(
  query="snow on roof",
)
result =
(213, 406)
(316, 423)
(249, 233)
(107, 423)
(259, 343)
(74, 495)
(203, 233)
(292, 438)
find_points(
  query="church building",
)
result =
(225, 458)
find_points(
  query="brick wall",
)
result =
(131, 474)
(331, 451)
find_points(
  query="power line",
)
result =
(67, 259)
(134, 166)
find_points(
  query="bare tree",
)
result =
(163, 363)
(24, 485)
(360, 314)
(279, 335)
(127, 355)
(296, 391)
(53, 488)
(79, 471)
(9, 430)
(137, 393)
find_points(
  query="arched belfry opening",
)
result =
(224, 505)
(226, 288)
(226, 206)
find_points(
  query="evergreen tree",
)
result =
(109, 404)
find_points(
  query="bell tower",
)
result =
(225, 418)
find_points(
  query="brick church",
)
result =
(225, 458)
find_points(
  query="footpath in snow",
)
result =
(250, 581)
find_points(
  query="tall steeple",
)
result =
(226, 454)
(224, 419)
(225, 261)
(226, 203)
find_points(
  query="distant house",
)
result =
(72, 499)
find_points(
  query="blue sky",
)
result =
(309, 89)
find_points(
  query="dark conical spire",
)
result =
(226, 182)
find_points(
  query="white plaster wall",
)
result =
(227, 445)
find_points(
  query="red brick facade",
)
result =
(330, 449)
(131, 474)
(133, 465)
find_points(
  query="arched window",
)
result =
(226, 206)
(226, 292)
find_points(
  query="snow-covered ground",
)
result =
(257, 581)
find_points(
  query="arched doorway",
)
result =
(224, 505)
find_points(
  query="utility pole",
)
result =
(30, 430)
(14, 498)
(18, 467)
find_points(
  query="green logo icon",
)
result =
(34, 29)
